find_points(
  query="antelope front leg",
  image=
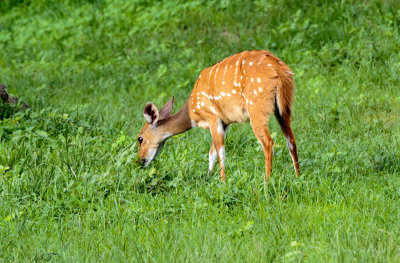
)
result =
(218, 137)
(212, 157)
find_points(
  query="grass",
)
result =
(70, 187)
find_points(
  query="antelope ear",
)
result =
(151, 113)
(166, 111)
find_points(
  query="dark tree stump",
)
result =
(8, 99)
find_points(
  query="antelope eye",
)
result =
(140, 140)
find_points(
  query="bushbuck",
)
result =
(246, 86)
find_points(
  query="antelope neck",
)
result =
(177, 123)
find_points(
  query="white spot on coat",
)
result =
(234, 91)
(258, 80)
(216, 72)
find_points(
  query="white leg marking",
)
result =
(222, 156)
(294, 165)
(289, 145)
(212, 157)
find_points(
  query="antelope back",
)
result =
(231, 87)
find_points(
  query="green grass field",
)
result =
(72, 191)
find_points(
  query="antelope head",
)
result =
(154, 133)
